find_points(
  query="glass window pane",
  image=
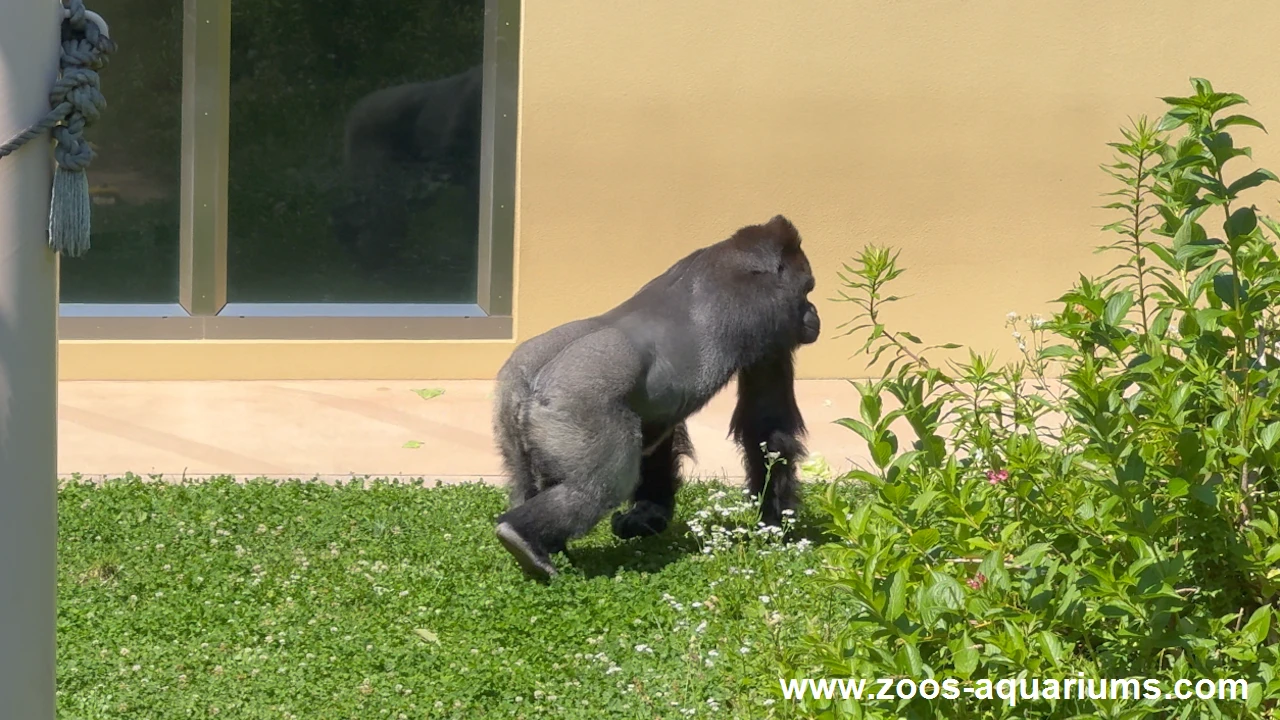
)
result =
(354, 151)
(134, 180)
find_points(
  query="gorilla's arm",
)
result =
(767, 413)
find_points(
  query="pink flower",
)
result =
(976, 581)
(995, 477)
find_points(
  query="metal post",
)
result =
(29, 49)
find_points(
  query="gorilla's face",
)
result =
(798, 282)
(810, 325)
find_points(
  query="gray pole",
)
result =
(29, 48)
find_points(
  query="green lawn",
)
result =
(378, 600)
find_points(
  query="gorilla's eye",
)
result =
(781, 266)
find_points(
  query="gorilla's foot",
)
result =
(535, 563)
(644, 519)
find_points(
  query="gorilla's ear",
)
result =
(781, 230)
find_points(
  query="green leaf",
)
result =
(1160, 323)
(925, 538)
(871, 407)
(1253, 179)
(1118, 307)
(1058, 351)
(1208, 183)
(1195, 160)
(1269, 435)
(412, 445)
(1259, 626)
(1225, 287)
(1238, 120)
(1189, 233)
(1051, 646)
(1203, 87)
(897, 596)
(882, 450)
(946, 592)
(1033, 554)
(1134, 469)
(857, 426)
(965, 661)
(1176, 117)
(1272, 225)
(910, 661)
(428, 393)
(1241, 223)
(1205, 493)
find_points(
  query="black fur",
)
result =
(591, 414)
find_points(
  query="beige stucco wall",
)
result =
(967, 134)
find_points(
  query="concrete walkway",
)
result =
(337, 429)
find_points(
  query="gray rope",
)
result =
(77, 102)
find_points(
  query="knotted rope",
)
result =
(77, 102)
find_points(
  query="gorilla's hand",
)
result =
(811, 325)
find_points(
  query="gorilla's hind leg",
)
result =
(655, 497)
(584, 444)
(544, 524)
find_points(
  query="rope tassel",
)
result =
(77, 103)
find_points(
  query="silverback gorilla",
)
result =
(398, 143)
(592, 413)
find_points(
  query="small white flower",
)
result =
(765, 599)
(1012, 316)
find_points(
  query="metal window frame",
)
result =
(202, 311)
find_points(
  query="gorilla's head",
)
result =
(773, 271)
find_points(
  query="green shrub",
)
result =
(1119, 523)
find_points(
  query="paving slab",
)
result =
(332, 430)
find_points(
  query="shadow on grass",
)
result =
(648, 555)
(652, 554)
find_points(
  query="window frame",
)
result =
(202, 311)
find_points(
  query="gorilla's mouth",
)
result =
(811, 324)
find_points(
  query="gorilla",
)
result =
(399, 143)
(592, 413)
